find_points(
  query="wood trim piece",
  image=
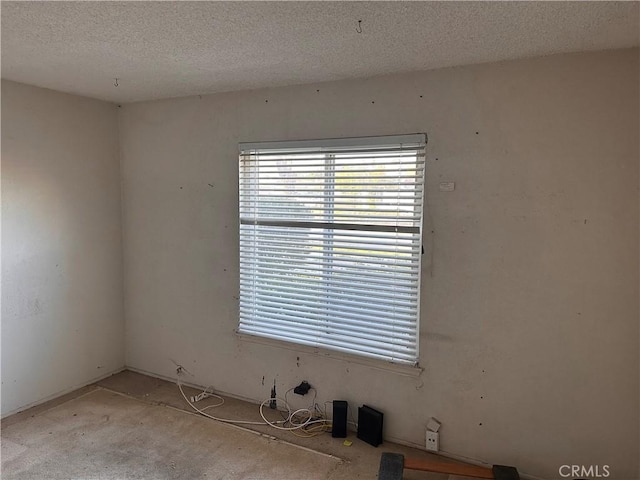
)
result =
(445, 467)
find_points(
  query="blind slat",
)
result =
(347, 287)
(381, 351)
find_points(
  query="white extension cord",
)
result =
(278, 424)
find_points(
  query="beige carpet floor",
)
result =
(106, 435)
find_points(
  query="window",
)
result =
(330, 243)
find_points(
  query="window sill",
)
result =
(405, 370)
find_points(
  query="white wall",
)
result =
(529, 328)
(62, 308)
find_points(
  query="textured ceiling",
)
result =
(170, 49)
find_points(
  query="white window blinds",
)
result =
(330, 243)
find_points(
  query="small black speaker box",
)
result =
(339, 422)
(370, 425)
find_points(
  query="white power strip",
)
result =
(199, 397)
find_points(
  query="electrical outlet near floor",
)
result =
(433, 441)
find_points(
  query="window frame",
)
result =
(344, 143)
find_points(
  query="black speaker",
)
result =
(370, 425)
(339, 422)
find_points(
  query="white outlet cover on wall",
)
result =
(433, 441)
